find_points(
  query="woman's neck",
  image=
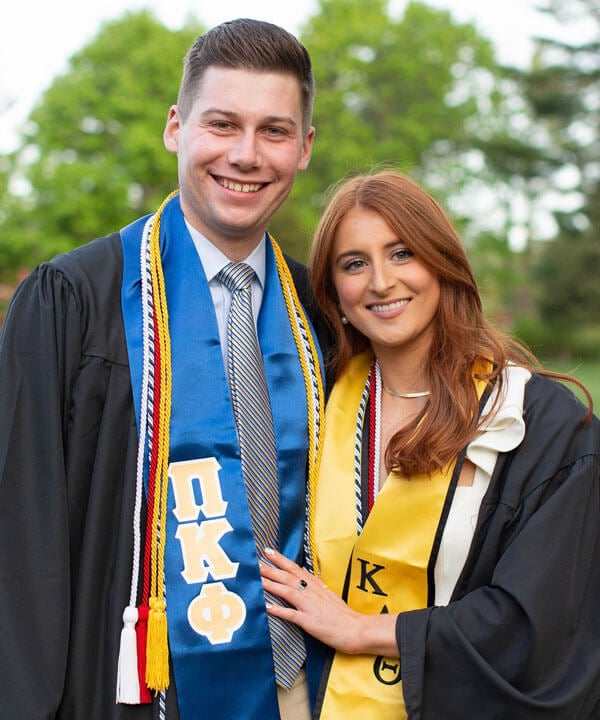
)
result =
(403, 374)
(397, 409)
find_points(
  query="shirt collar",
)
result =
(213, 260)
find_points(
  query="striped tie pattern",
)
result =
(254, 421)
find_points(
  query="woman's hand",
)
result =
(321, 613)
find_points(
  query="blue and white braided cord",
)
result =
(358, 455)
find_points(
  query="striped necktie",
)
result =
(254, 421)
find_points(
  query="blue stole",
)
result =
(218, 634)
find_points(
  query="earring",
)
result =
(343, 318)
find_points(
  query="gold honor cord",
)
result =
(315, 396)
(157, 648)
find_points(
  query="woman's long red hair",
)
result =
(461, 336)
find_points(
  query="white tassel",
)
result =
(128, 683)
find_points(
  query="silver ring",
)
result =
(301, 585)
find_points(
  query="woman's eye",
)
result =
(354, 265)
(402, 254)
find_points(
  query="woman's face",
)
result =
(383, 290)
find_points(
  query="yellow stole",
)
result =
(386, 564)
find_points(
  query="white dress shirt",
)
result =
(213, 261)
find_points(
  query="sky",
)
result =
(37, 38)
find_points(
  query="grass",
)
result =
(587, 371)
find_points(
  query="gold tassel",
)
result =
(157, 647)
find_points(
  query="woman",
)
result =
(454, 529)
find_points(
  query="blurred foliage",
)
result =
(92, 157)
(563, 89)
(389, 92)
(420, 92)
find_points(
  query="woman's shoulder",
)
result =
(549, 394)
(555, 419)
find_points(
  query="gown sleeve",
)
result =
(40, 334)
(520, 637)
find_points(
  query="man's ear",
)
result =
(306, 149)
(172, 128)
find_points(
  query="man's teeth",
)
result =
(389, 306)
(238, 187)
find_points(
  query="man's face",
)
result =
(238, 153)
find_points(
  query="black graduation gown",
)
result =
(520, 638)
(68, 447)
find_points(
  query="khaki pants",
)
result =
(294, 703)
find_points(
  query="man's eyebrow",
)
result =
(274, 119)
(218, 111)
(281, 119)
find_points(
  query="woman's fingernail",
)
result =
(269, 551)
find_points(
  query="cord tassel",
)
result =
(141, 631)
(128, 684)
(157, 653)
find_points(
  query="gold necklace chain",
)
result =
(408, 395)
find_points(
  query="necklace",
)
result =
(393, 393)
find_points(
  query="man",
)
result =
(123, 476)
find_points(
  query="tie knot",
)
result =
(236, 276)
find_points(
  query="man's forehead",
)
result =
(243, 91)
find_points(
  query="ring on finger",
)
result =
(301, 585)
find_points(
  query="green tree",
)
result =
(419, 92)
(563, 87)
(92, 157)
(404, 92)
